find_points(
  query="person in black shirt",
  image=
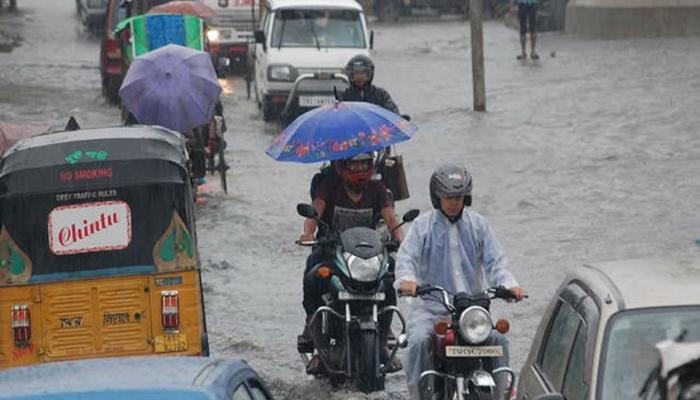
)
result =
(360, 71)
(347, 199)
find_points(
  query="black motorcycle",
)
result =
(463, 362)
(345, 331)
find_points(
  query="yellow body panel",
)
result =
(102, 317)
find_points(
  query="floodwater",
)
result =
(590, 154)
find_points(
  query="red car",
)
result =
(112, 66)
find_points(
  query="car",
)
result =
(596, 339)
(136, 378)
(92, 13)
(302, 47)
(112, 68)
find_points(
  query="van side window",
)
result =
(555, 354)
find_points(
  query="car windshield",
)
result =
(318, 28)
(629, 353)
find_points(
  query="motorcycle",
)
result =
(462, 359)
(677, 377)
(345, 331)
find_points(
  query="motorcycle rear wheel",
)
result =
(369, 377)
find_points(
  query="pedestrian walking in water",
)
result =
(527, 17)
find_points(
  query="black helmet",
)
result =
(360, 63)
(450, 180)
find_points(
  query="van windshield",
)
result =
(318, 28)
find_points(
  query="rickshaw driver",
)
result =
(343, 200)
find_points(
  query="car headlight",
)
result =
(363, 270)
(280, 73)
(213, 35)
(475, 324)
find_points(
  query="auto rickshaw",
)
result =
(98, 250)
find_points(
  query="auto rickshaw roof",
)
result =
(68, 148)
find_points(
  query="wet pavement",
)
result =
(590, 154)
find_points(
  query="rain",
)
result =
(590, 154)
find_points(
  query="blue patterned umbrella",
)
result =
(338, 131)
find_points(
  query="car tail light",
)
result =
(112, 49)
(21, 326)
(170, 310)
(449, 337)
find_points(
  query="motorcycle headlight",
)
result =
(213, 35)
(363, 270)
(475, 324)
(280, 73)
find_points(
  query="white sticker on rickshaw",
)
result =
(90, 227)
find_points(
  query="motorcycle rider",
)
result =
(360, 72)
(453, 247)
(344, 200)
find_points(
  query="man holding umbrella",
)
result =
(347, 199)
(349, 134)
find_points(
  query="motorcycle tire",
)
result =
(369, 377)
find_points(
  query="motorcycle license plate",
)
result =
(474, 351)
(170, 343)
(314, 101)
(346, 296)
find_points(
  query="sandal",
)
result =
(314, 366)
(522, 56)
(392, 366)
(535, 56)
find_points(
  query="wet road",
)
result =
(590, 155)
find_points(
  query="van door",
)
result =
(95, 318)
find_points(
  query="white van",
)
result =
(302, 47)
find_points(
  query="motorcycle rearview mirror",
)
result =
(411, 215)
(408, 217)
(306, 210)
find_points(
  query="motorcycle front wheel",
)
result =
(369, 377)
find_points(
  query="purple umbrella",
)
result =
(173, 86)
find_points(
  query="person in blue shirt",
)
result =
(452, 247)
(527, 16)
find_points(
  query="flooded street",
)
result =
(590, 154)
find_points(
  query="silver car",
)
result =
(596, 339)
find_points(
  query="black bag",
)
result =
(394, 177)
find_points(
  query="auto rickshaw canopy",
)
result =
(96, 202)
(144, 33)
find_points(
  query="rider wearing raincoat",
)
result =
(452, 247)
